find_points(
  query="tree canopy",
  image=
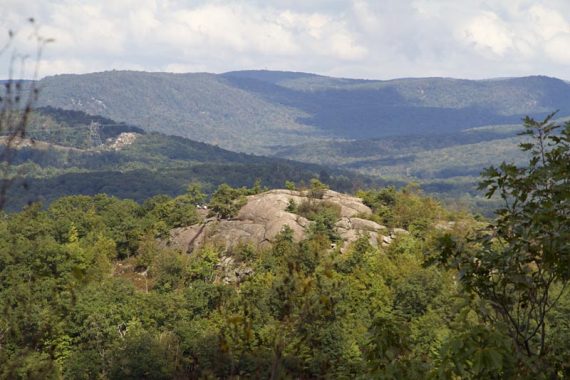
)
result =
(90, 289)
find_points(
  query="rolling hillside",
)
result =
(252, 111)
(439, 132)
(202, 107)
(128, 162)
(437, 156)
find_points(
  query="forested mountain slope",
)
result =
(75, 153)
(437, 156)
(251, 111)
(203, 107)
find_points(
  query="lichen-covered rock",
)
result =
(343, 224)
(366, 225)
(231, 272)
(186, 238)
(265, 215)
(349, 206)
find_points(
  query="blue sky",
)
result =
(377, 39)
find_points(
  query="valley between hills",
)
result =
(437, 132)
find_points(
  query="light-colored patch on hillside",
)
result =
(118, 143)
(124, 139)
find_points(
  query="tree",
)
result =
(519, 266)
(317, 189)
(194, 193)
(227, 201)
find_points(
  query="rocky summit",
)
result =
(265, 215)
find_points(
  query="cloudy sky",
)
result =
(378, 39)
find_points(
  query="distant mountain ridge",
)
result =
(253, 111)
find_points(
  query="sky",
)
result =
(373, 39)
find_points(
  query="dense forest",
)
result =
(71, 152)
(88, 289)
(253, 111)
(438, 132)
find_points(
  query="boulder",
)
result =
(265, 215)
(399, 231)
(366, 225)
(349, 206)
(344, 224)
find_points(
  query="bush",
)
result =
(324, 215)
(317, 189)
(311, 209)
(227, 201)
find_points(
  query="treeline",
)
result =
(141, 184)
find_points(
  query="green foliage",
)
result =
(478, 352)
(323, 214)
(88, 290)
(194, 193)
(227, 201)
(317, 189)
(405, 208)
(290, 185)
(518, 267)
(311, 209)
(257, 188)
(292, 206)
(89, 308)
(389, 349)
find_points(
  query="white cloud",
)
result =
(238, 28)
(355, 38)
(488, 33)
(546, 22)
(558, 48)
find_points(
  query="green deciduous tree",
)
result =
(519, 266)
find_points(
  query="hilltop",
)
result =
(263, 217)
(253, 111)
(439, 132)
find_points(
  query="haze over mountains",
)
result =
(438, 132)
(254, 111)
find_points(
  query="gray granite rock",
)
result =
(265, 215)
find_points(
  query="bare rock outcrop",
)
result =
(124, 139)
(351, 229)
(264, 215)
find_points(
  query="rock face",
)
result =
(264, 215)
(124, 139)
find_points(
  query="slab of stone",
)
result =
(367, 225)
(265, 215)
